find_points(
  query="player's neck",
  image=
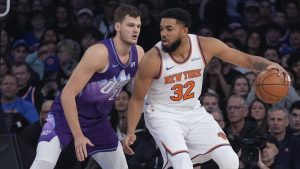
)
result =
(122, 48)
(183, 50)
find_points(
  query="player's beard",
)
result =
(172, 47)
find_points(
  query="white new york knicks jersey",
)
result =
(180, 83)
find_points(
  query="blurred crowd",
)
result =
(43, 40)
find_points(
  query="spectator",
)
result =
(19, 112)
(274, 34)
(294, 118)
(4, 68)
(265, 11)
(289, 145)
(210, 101)
(239, 128)
(38, 24)
(292, 11)
(20, 50)
(26, 90)
(218, 116)
(240, 86)
(267, 156)
(50, 35)
(252, 14)
(272, 54)
(250, 76)
(85, 19)
(31, 134)
(5, 43)
(259, 111)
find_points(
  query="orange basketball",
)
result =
(269, 87)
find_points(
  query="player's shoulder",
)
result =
(96, 50)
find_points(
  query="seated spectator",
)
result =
(31, 134)
(289, 145)
(250, 76)
(19, 52)
(26, 90)
(19, 112)
(294, 118)
(218, 116)
(240, 129)
(240, 86)
(4, 68)
(259, 111)
(210, 101)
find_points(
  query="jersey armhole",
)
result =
(201, 51)
(161, 63)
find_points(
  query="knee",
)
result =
(181, 160)
(226, 158)
(230, 161)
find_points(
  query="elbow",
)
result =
(66, 94)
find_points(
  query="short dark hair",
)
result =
(124, 10)
(295, 105)
(179, 14)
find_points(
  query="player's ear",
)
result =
(186, 30)
(117, 26)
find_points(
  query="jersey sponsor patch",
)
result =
(194, 59)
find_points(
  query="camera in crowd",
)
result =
(250, 149)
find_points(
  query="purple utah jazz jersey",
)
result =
(96, 100)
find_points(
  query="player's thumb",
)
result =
(90, 143)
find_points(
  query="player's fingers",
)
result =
(84, 152)
(79, 153)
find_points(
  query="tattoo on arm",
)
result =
(260, 66)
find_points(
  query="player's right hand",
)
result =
(127, 142)
(80, 146)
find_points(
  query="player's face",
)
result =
(129, 29)
(171, 33)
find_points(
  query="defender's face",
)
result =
(129, 29)
(170, 31)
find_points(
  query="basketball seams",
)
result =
(268, 92)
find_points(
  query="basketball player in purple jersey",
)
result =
(80, 112)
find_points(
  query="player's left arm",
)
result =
(215, 47)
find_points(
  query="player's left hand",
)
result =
(127, 142)
(281, 71)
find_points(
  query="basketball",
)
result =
(269, 87)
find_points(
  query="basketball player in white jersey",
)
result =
(172, 74)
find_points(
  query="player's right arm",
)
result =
(149, 68)
(94, 60)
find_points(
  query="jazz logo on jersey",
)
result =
(182, 76)
(132, 64)
(46, 132)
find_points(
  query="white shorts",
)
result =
(194, 131)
